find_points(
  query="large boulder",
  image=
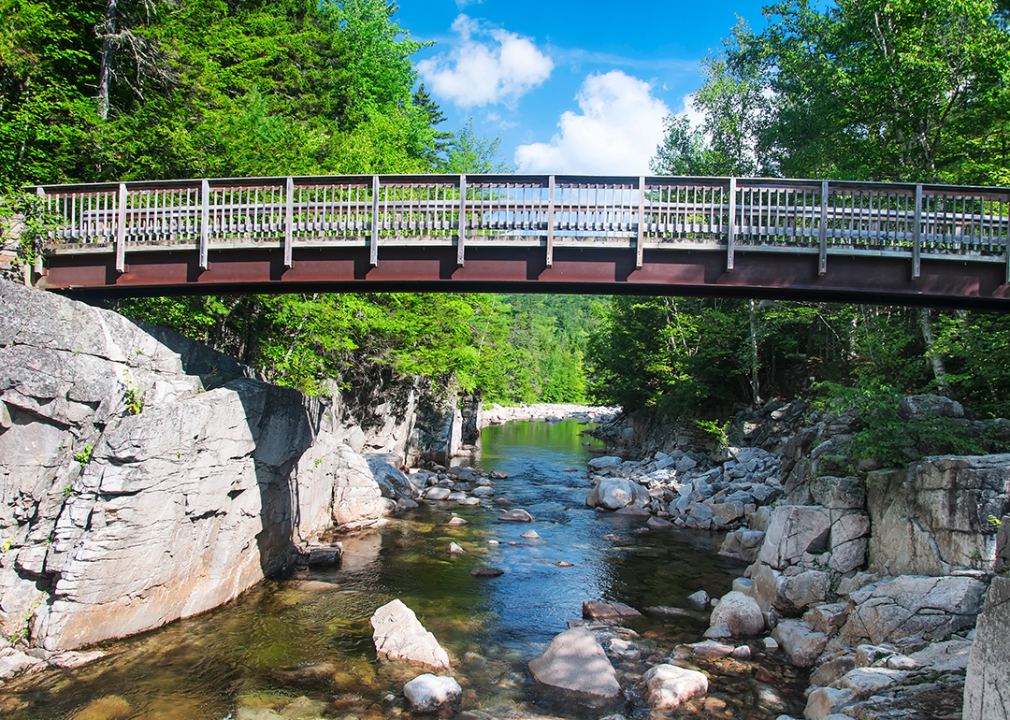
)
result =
(986, 695)
(399, 635)
(740, 613)
(793, 531)
(392, 482)
(933, 518)
(576, 664)
(909, 606)
(788, 595)
(801, 644)
(617, 493)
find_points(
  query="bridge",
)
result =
(739, 237)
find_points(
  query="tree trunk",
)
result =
(939, 369)
(754, 364)
(108, 50)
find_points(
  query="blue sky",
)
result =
(571, 87)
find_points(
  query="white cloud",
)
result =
(618, 131)
(460, 4)
(477, 73)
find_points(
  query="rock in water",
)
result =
(599, 610)
(486, 572)
(516, 515)
(430, 693)
(576, 663)
(740, 613)
(669, 685)
(455, 549)
(530, 535)
(399, 635)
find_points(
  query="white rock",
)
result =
(576, 663)
(399, 635)
(430, 693)
(669, 686)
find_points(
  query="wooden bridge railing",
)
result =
(724, 214)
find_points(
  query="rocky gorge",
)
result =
(146, 479)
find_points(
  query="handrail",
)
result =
(730, 215)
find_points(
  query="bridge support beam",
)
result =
(822, 232)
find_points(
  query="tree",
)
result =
(879, 89)
(467, 152)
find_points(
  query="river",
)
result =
(300, 647)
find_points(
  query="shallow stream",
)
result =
(301, 647)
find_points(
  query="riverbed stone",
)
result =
(399, 635)
(516, 515)
(437, 493)
(740, 613)
(669, 686)
(614, 493)
(602, 463)
(430, 693)
(801, 644)
(600, 610)
(576, 664)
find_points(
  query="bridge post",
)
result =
(204, 223)
(822, 232)
(461, 237)
(917, 234)
(121, 230)
(373, 245)
(639, 249)
(731, 230)
(40, 193)
(1006, 239)
(289, 220)
(550, 221)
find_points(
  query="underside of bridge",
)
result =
(603, 271)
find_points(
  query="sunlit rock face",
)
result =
(146, 478)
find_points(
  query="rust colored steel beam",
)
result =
(524, 269)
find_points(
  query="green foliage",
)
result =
(469, 153)
(6, 545)
(869, 89)
(994, 522)
(712, 430)
(84, 456)
(24, 214)
(480, 342)
(133, 395)
(884, 435)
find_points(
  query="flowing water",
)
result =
(301, 647)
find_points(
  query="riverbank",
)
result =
(872, 582)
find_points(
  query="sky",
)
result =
(571, 87)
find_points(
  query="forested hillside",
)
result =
(148, 89)
(913, 90)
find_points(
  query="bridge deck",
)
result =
(888, 242)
